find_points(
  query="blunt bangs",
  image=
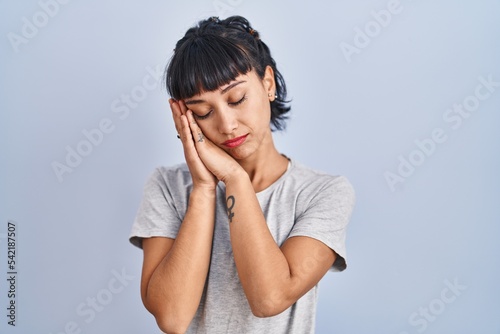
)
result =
(203, 64)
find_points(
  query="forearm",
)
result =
(175, 288)
(262, 267)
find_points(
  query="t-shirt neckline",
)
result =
(291, 164)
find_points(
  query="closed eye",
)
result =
(238, 102)
(202, 116)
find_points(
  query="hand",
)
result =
(202, 177)
(216, 160)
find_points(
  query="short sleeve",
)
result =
(326, 216)
(158, 214)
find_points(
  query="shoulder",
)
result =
(164, 177)
(175, 172)
(318, 181)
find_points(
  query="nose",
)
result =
(227, 122)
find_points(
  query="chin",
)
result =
(240, 153)
(237, 155)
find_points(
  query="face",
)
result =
(236, 117)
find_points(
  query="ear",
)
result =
(269, 83)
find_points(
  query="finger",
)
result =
(174, 106)
(176, 114)
(187, 139)
(196, 132)
(183, 107)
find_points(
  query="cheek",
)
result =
(262, 110)
(208, 129)
(265, 113)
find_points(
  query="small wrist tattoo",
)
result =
(230, 213)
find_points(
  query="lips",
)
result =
(235, 141)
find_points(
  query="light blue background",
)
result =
(352, 118)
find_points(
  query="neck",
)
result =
(265, 166)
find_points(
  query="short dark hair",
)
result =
(214, 53)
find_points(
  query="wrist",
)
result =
(237, 175)
(202, 199)
(204, 191)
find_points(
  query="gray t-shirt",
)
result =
(302, 202)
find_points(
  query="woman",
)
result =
(236, 239)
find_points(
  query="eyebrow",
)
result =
(225, 90)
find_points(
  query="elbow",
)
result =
(169, 320)
(172, 326)
(268, 307)
(266, 311)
